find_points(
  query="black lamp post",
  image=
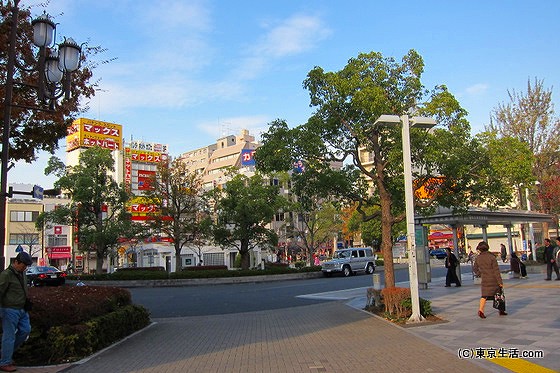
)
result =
(54, 81)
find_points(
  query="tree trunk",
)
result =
(98, 263)
(244, 252)
(386, 239)
(178, 262)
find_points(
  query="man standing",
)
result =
(451, 265)
(15, 319)
(550, 260)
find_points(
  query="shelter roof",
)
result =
(483, 217)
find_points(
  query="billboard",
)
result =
(88, 133)
(145, 179)
(248, 157)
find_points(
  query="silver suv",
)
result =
(350, 261)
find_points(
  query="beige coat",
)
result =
(486, 266)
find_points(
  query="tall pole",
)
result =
(531, 231)
(410, 236)
(8, 89)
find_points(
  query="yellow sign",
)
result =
(88, 133)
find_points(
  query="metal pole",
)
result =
(531, 231)
(410, 236)
(8, 89)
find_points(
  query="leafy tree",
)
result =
(30, 238)
(342, 129)
(98, 203)
(530, 117)
(318, 221)
(181, 208)
(32, 128)
(243, 209)
(511, 158)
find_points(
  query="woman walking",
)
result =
(486, 267)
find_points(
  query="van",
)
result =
(350, 261)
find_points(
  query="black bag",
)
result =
(28, 305)
(500, 300)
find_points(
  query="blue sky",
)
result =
(188, 72)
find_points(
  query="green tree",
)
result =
(342, 129)
(243, 209)
(512, 159)
(530, 117)
(98, 203)
(35, 130)
(182, 212)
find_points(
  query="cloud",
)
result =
(289, 37)
(295, 35)
(477, 89)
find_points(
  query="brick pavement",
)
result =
(328, 337)
(338, 336)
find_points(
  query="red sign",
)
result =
(58, 229)
(59, 252)
(145, 179)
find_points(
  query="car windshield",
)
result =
(343, 254)
(45, 269)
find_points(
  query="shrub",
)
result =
(300, 264)
(393, 298)
(70, 323)
(140, 269)
(425, 307)
(205, 268)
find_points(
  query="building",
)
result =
(213, 160)
(21, 216)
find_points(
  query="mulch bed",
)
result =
(402, 322)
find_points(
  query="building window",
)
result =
(279, 217)
(26, 216)
(24, 238)
(213, 259)
(57, 240)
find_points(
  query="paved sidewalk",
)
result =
(338, 336)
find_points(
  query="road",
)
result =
(166, 302)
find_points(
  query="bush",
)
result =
(205, 268)
(300, 264)
(140, 269)
(425, 306)
(70, 323)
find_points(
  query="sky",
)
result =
(186, 72)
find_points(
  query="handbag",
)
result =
(499, 299)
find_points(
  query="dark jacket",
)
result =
(549, 253)
(486, 266)
(12, 294)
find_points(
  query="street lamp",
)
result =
(406, 123)
(54, 81)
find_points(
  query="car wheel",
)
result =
(346, 271)
(370, 269)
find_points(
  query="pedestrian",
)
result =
(550, 260)
(451, 265)
(486, 267)
(471, 256)
(14, 306)
(503, 252)
(517, 266)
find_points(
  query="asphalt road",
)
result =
(168, 302)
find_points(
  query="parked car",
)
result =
(350, 261)
(438, 253)
(45, 275)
